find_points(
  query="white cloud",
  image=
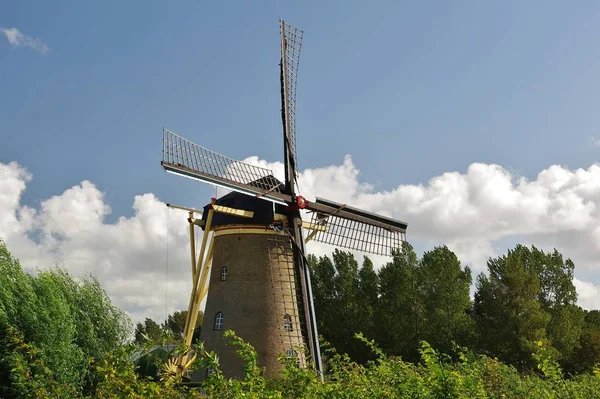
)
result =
(470, 211)
(595, 141)
(467, 211)
(589, 294)
(129, 256)
(17, 39)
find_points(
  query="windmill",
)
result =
(254, 261)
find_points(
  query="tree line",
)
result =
(527, 296)
(63, 337)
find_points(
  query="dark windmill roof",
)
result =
(263, 209)
(267, 182)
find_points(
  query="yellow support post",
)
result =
(192, 242)
(203, 286)
(196, 275)
(199, 291)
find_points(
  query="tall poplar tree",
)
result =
(400, 324)
(445, 292)
(507, 311)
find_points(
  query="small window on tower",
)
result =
(287, 322)
(224, 273)
(219, 321)
(290, 354)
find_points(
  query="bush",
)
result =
(51, 325)
(435, 376)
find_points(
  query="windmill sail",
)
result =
(355, 229)
(332, 223)
(184, 158)
(291, 45)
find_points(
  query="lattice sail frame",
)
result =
(356, 236)
(185, 158)
(291, 46)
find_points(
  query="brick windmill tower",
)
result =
(252, 254)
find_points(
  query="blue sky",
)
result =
(409, 90)
(427, 88)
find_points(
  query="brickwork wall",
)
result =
(253, 299)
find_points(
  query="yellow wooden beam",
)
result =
(314, 226)
(233, 211)
(183, 208)
(197, 222)
(247, 230)
(306, 225)
(311, 235)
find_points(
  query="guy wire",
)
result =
(167, 272)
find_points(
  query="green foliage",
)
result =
(148, 330)
(60, 337)
(509, 317)
(587, 356)
(63, 338)
(50, 327)
(529, 296)
(414, 299)
(444, 288)
(343, 301)
(400, 296)
(119, 379)
(434, 376)
(174, 326)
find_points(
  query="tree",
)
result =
(335, 288)
(368, 297)
(400, 324)
(50, 327)
(445, 292)
(367, 312)
(508, 314)
(148, 330)
(322, 274)
(174, 325)
(587, 355)
(557, 298)
(346, 314)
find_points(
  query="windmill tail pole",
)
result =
(304, 272)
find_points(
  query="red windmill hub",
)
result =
(301, 202)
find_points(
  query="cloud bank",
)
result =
(467, 211)
(17, 39)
